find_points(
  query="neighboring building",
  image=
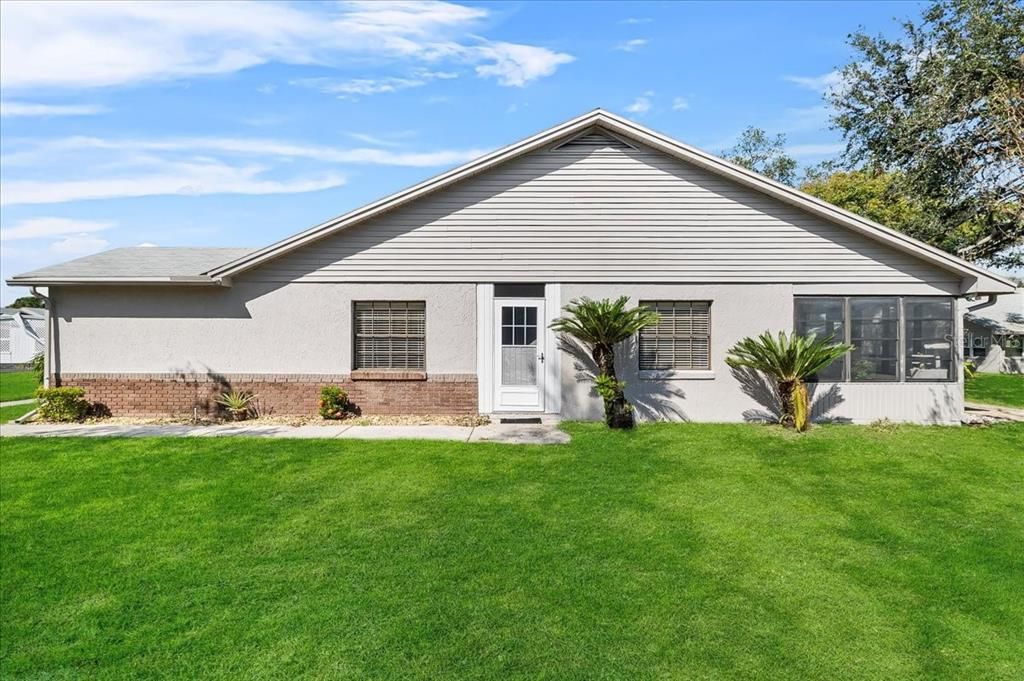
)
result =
(994, 335)
(22, 334)
(438, 298)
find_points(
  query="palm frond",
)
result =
(603, 322)
(786, 357)
(235, 400)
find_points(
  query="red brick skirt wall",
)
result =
(284, 394)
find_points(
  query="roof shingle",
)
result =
(137, 263)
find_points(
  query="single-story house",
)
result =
(994, 334)
(438, 298)
(22, 334)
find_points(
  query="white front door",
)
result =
(519, 354)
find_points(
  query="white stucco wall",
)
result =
(248, 328)
(739, 310)
(298, 328)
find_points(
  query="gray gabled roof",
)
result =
(34, 312)
(1006, 316)
(138, 264)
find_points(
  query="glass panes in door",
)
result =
(518, 345)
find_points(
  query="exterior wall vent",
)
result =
(594, 140)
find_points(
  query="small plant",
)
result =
(789, 359)
(38, 365)
(969, 369)
(601, 325)
(62, 404)
(863, 370)
(334, 402)
(608, 386)
(236, 403)
(884, 426)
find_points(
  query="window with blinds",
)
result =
(681, 340)
(390, 335)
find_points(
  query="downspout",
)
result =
(50, 347)
(989, 301)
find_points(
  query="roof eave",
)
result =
(199, 280)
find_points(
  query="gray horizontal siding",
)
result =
(589, 213)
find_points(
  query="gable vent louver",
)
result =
(594, 141)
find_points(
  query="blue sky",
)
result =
(238, 124)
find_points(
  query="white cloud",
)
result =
(145, 244)
(81, 168)
(388, 140)
(43, 227)
(10, 109)
(243, 146)
(79, 45)
(635, 20)
(267, 89)
(641, 104)
(359, 86)
(631, 45)
(516, 65)
(78, 245)
(826, 82)
(164, 178)
(680, 104)
(373, 86)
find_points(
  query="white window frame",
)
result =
(651, 304)
(355, 334)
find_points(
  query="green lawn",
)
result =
(17, 385)
(676, 551)
(1005, 389)
(8, 414)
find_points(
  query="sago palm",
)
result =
(601, 325)
(788, 359)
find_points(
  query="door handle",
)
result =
(541, 358)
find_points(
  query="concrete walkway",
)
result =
(542, 434)
(993, 411)
(15, 403)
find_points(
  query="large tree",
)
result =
(882, 197)
(943, 105)
(763, 154)
(29, 301)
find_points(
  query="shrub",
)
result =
(62, 404)
(236, 403)
(788, 359)
(601, 325)
(334, 402)
(38, 365)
